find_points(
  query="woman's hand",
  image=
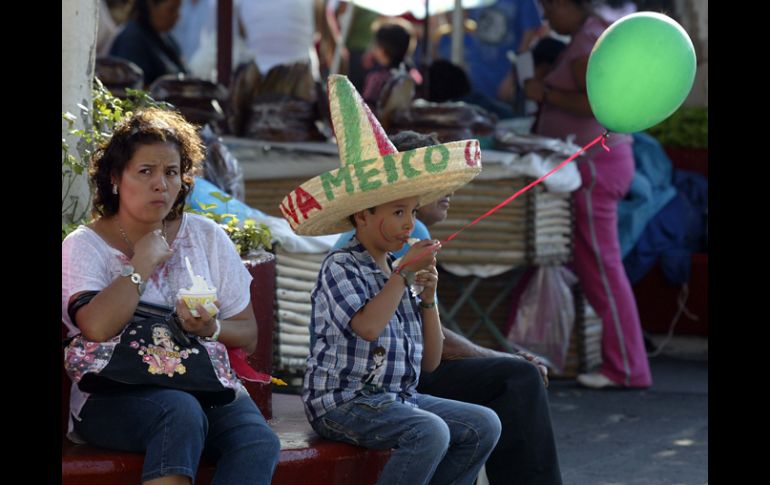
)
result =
(506, 90)
(428, 279)
(203, 326)
(152, 249)
(534, 89)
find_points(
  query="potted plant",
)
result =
(251, 239)
(684, 136)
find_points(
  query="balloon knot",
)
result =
(605, 135)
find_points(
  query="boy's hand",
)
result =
(421, 255)
(428, 279)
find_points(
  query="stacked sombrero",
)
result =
(373, 172)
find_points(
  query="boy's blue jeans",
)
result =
(442, 442)
(172, 430)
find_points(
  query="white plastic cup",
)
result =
(194, 298)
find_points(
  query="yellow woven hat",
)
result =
(373, 172)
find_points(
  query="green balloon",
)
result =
(639, 72)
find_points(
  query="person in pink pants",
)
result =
(597, 261)
(606, 176)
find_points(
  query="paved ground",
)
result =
(655, 436)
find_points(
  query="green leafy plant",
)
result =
(99, 121)
(687, 127)
(248, 237)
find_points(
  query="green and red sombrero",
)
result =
(373, 172)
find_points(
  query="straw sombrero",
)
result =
(373, 172)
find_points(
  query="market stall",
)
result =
(480, 267)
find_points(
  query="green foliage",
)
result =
(99, 121)
(68, 227)
(688, 127)
(221, 197)
(247, 237)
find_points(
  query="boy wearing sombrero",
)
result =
(373, 335)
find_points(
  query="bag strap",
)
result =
(168, 314)
(143, 309)
(79, 302)
(73, 308)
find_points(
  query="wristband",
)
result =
(427, 306)
(215, 336)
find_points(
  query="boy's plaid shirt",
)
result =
(339, 359)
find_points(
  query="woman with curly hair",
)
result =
(135, 248)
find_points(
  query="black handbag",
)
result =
(151, 350)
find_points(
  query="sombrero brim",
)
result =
(323, 204)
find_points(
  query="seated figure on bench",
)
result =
(135, 248)
(373, 334)
(509, 384)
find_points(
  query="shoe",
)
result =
(596, 381)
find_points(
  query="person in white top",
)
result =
(280, 32)
(196, 34)
(135, 249)
(106, 30)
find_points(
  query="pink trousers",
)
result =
(598, 264)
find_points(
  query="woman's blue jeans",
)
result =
(441, 442)
(172, 430)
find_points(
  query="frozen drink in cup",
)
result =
(200, 293)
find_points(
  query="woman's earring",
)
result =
(115, 189)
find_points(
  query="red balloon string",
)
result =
(601, 138)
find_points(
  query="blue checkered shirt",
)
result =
(340, 361)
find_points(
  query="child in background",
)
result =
(393, 46)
